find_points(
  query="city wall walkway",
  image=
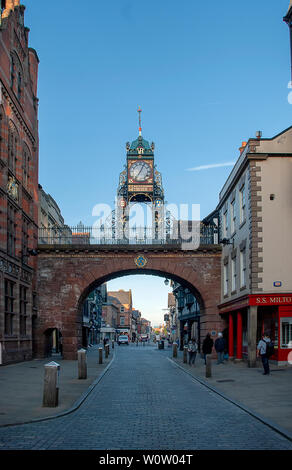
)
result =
(21, 387)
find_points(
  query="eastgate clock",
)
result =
(140, 171)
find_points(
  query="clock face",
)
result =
(140, 171)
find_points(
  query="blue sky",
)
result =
(207, 76)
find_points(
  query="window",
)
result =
(11, 230)
(122, 309)
(9, 307)
(243, 268)
(12, 72)
(225, 279)
(22, 310)
(233, 274)
(122, 320)
(25, 167)
(232, 216)
(242, 204)
(286, 332)
(19, 86)
(12, 147)
(225, 225)
(25, 227)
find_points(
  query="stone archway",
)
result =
(68, 274)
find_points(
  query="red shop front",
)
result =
(275, 317)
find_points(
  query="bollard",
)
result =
(174, 350)
(208, 365)
(51, 385)
(100, 355)
(82, 364)
(185, 354)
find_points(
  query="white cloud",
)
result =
(210, 166)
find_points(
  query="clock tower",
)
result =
(140, 183)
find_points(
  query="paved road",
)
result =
(145, 402)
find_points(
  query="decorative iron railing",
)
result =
(206, 235)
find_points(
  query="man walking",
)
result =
(262, 351)
(192, 350)
(220, 348)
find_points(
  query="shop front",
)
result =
(273, 316)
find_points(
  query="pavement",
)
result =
(21, 387)
(145, 401)
(266, 397)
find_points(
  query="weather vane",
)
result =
(140, 127)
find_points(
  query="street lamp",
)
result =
(166, 282)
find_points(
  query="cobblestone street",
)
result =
(145, 402)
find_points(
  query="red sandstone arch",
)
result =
(67, 275)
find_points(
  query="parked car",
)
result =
(123, 339)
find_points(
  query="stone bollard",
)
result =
(100, 355)
(208, 365)
(174, 350)
(82, 364)
(51, 385)
(185, 354)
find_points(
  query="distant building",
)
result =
(123, 301)
(92, 314)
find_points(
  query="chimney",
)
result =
(241, 149)
(10, 5)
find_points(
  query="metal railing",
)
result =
(208, 235)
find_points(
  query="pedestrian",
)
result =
(177, 342)
(207, 345)
(262, 351)
(192, 350)
(220, 344)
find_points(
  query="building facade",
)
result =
(52, 228)
(19, 145)
(255, 223)
(123, 301)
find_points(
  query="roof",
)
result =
(121, 296)
(140, 142)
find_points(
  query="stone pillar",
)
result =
(239, 337)
(208, 365)
(252, 317)
(100, 355)
(51, 385)
(82, 364)
(174, 350)
(230, 337)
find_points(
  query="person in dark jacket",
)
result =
(207, 345)
(220, 345)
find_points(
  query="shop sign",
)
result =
(270, 300)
